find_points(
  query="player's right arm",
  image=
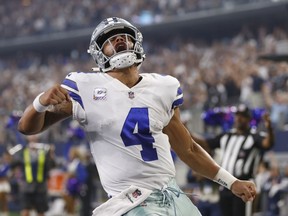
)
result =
(33, 122)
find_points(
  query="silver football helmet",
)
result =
(104, 32)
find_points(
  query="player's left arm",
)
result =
(201, 162)
(188, 150)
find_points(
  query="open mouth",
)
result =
(121, 47)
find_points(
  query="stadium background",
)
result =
(42, 41)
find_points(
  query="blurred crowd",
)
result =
(36, 17)
(33, 178)
(218, 73)
(212, 74)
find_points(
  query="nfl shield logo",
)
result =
(131, 94)
(136, 193)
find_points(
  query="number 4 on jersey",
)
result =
(136, 131)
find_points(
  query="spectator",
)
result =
(262, 176)
(90, 194)
(35, 162)
(76, 187)
(5, 187)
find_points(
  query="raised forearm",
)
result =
(31, 122)
(47, 108)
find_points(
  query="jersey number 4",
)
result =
(136, 131)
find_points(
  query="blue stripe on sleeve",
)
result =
(177, 102)
(179, 91)
(180, 100)
(70, 84)
(76, 97)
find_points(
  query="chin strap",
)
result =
(123, 60)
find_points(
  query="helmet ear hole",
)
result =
(107, 29)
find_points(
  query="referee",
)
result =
(241, 149)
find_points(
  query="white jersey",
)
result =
(125, 125)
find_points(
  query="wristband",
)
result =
(38, 106)
(224, 178)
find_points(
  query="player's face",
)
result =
(117, 44)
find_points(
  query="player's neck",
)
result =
(128, 76)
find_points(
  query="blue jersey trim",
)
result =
(71, 84)
(179, 91)
(177, 102)
(180, 100)
(77, 98)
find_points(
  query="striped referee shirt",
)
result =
(240, 153)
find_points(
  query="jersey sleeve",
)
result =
(178, 101)
(70, 84)
(176, 93)
(172, 95)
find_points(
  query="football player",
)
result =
(132, 120)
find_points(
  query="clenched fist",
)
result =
(246, 190)
(55, 95)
